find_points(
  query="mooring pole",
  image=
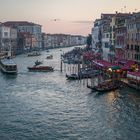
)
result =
(61, 66)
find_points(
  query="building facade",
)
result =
(8, 39)
(96, 36)
(27, 27)
(132, 51)
(26, 42)
(120, 35)
(61, 40)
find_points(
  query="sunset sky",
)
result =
(63, 16)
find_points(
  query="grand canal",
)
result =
(45, 106)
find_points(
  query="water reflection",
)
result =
(46, 105)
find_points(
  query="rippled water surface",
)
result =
(45, 106)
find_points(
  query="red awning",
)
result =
(103, 63)
(134, 73)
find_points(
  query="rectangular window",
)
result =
(132, 37)
(5, 34)
(135, 47)
(106, 45)
(113, 28)
(132, 55)
(107, 35)
(131, 47)
(128, 55)
(135, 56)
(128, 47)
(128, 36)
(138, 48)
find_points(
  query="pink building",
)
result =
(132, 51)
(26, 42)
(120, 35)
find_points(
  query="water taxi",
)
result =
(35, 53)
(7, 65)
(41, 69)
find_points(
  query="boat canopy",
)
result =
(134, 75)
(8, 62)
(115, 67)
(103, 63)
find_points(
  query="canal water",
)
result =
(46, 106)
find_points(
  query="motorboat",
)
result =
(35, 53)
(41, 69)
(49, 56)
(72, 77)
(37, 62)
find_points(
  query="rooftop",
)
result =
(19, 23)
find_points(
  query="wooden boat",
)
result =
(134, 84)
(105, 87)
(41, 69)
(89, 73)
(7, 65)
(101, 89)
(49, 57)
(72, 77)
(81, 75)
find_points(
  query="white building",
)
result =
(27, 27)
(8, 38)
(96, 33)
(4, 32)
(106, 39)
(4, 38)
(62, 40)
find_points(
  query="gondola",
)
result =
(100, 89)
(72, 77)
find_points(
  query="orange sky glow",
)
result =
(63, 16)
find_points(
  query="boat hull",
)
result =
(8, 72)
(102, 90)
(41, 69)
(72, 77)
(133, 86)
(8, 68)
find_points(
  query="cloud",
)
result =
(83, 21)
